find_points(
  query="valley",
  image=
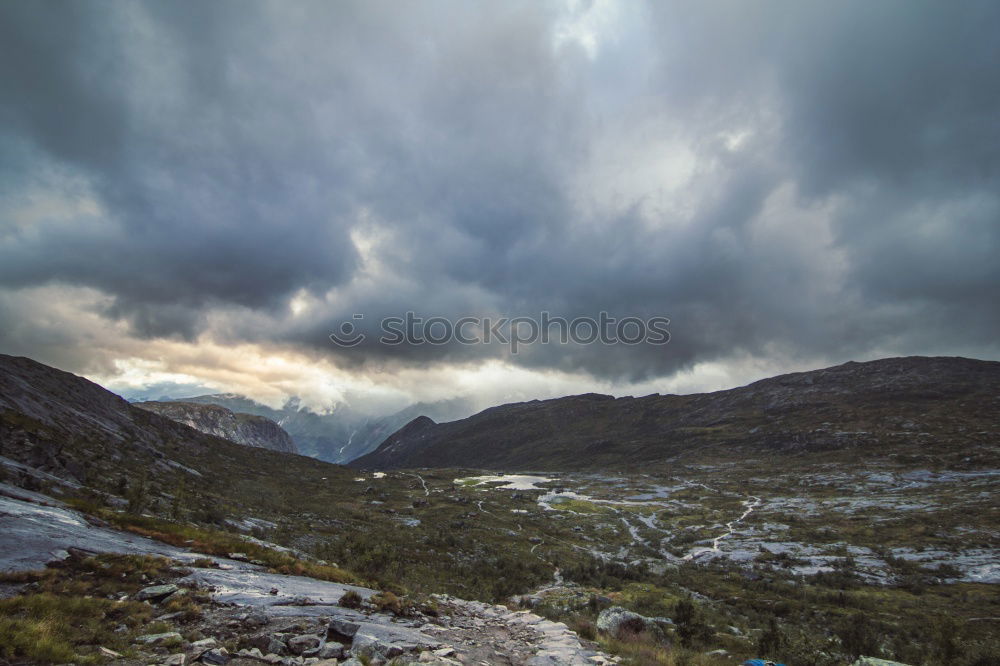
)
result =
(811, 555)
(532, 333)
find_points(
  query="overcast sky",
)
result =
(194, 195)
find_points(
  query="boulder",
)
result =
(340, 628)
(305, 643)
(256, 619)
(156, 639)
(252, 653)
(198, 648)
(375, 647)
(618, 622)
(216, 657)
(332, 650)
(155, 593)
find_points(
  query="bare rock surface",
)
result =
(245, 429)
(287, 620)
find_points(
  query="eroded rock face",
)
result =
(246, 429)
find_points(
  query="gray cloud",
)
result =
(815, 180)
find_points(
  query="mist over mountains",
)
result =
(341, 434)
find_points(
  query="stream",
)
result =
(750, 505)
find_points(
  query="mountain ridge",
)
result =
(843, 406)
(246, 429)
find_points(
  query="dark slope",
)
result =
(78, 432)
(897, 406)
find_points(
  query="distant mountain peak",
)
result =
(246, 429)
(339, 435)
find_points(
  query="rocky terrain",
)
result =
(267, 618)
(809, 555)
(898, 406)
(245, 429)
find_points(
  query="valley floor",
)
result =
(814, 563)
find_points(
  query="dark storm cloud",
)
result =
(233, 148)
(209, 184)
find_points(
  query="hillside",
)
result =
(66, 432)
(245, 429)
(900, 406)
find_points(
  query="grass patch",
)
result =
(350, 599)
(98, 576)
(644, 649)
(46, 628)
(213, 542)
(70, 608)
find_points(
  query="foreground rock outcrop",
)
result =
(257, 617)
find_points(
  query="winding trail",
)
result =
(751, 503)
(479, 504)
(427, 492)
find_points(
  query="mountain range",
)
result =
(915, 406)
(895, 406)
(341, 434)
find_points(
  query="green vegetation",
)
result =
(470, 543)
(216, 542)
(350, 599)
(47, 628)
(64, 613)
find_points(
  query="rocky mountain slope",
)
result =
(888, 407)
(339, 435)
(245, 429)
(58, 430)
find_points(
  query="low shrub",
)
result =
(351, 599)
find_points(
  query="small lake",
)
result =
(507, 481)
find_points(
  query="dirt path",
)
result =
(486, 634)
(427, 492)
